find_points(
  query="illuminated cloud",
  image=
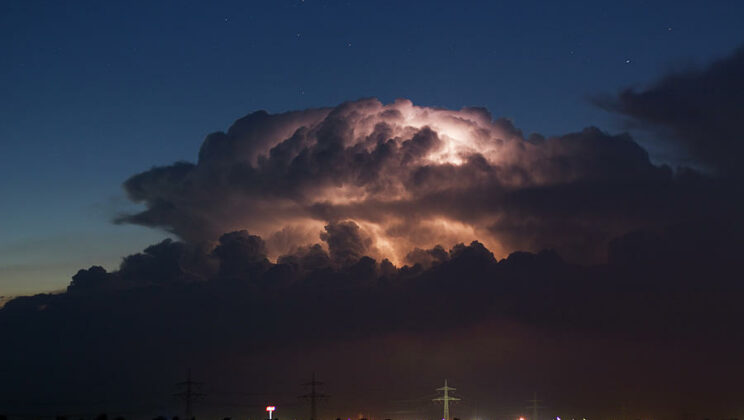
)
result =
(408, 177)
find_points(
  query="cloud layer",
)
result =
(413, 177)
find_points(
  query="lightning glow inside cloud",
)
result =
(406, 176)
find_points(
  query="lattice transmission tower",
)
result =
(446, 398)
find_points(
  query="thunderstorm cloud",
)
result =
(397, 244)
(409, 177)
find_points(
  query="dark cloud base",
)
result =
(177, 305)
(677, 280)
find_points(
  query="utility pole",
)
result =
(189, 394)
(446, 398)
(314, 396)
(534, 405)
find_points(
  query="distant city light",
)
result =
(270, 409)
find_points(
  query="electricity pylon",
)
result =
(189, 395)
(314, 396)
(446, 398)
(534, 406)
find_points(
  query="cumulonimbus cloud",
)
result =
(410, 177)
(329, 193)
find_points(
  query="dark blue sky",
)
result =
(94, 92)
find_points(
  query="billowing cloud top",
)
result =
(409, 177)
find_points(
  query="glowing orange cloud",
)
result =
(407, 176)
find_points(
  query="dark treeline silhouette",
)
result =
(104, 416)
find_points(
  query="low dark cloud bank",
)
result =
(129, 334)
(658, 283)
(379, 241)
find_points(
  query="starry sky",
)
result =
(96, 91)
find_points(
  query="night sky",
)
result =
(95, 92)
(520, 197)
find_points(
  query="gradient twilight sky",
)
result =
(97, 91)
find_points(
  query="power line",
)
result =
(446, 398)
(189, 394)
(314, 396)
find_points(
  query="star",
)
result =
(627, 61)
